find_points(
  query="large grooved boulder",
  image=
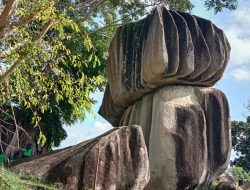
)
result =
(187, 132)
(165, 48)
(116, 160)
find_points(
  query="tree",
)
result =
(241, 143)
(52, 54)
(42, 73)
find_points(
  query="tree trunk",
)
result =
(9, 150)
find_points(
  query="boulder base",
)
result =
(187, 132)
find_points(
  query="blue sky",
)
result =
(235, 82)
(236, 79)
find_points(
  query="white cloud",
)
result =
(241, 14)
(82, 132)
(236, 25)
(240, 52)
(241, 74)
(99, 128)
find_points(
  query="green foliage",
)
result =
(219, 5)
(180, 5)
(239, 173)
(241, 143)
(20, 181)
(58, 71)
(51, 131)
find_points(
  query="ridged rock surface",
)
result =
(109, 110)
(165, 48)
(187, 132)
(116, 160)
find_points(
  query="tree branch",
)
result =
(22, 21)
(12, 68)
(44, 30)
(93, 9)
(14, 118)
(1, 126)
(8, 12)
(2, 110)
(81, 4)
(5, 122)
(2, 142)
(113, 24)
(23, 56)
(6, 31)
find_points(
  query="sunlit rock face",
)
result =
(165, 48)
(187, 132)
(160, 73)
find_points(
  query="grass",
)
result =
(10, 180)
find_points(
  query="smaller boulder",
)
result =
(227, 182)
(117, 159)
(245, 186)
(226, 186)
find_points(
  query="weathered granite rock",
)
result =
(109, 110)
(227, 182)
(165, 48)
(225, 186)
(115, 160)
(187, 132)
(246, 186)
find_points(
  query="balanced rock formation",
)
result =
(116, 160)
(160, 73)
(186, 130)
(167, 47)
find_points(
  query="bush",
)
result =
(239, 173)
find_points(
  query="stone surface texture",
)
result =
(227, 182)
(160, 73)
(109, 110)
(165, 48)
(116, 160)
(245, 186)
(187, 132)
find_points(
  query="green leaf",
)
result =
(85, 24)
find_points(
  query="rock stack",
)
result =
(160, 73)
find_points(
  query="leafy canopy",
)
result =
(239, 173)
(241, 143)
